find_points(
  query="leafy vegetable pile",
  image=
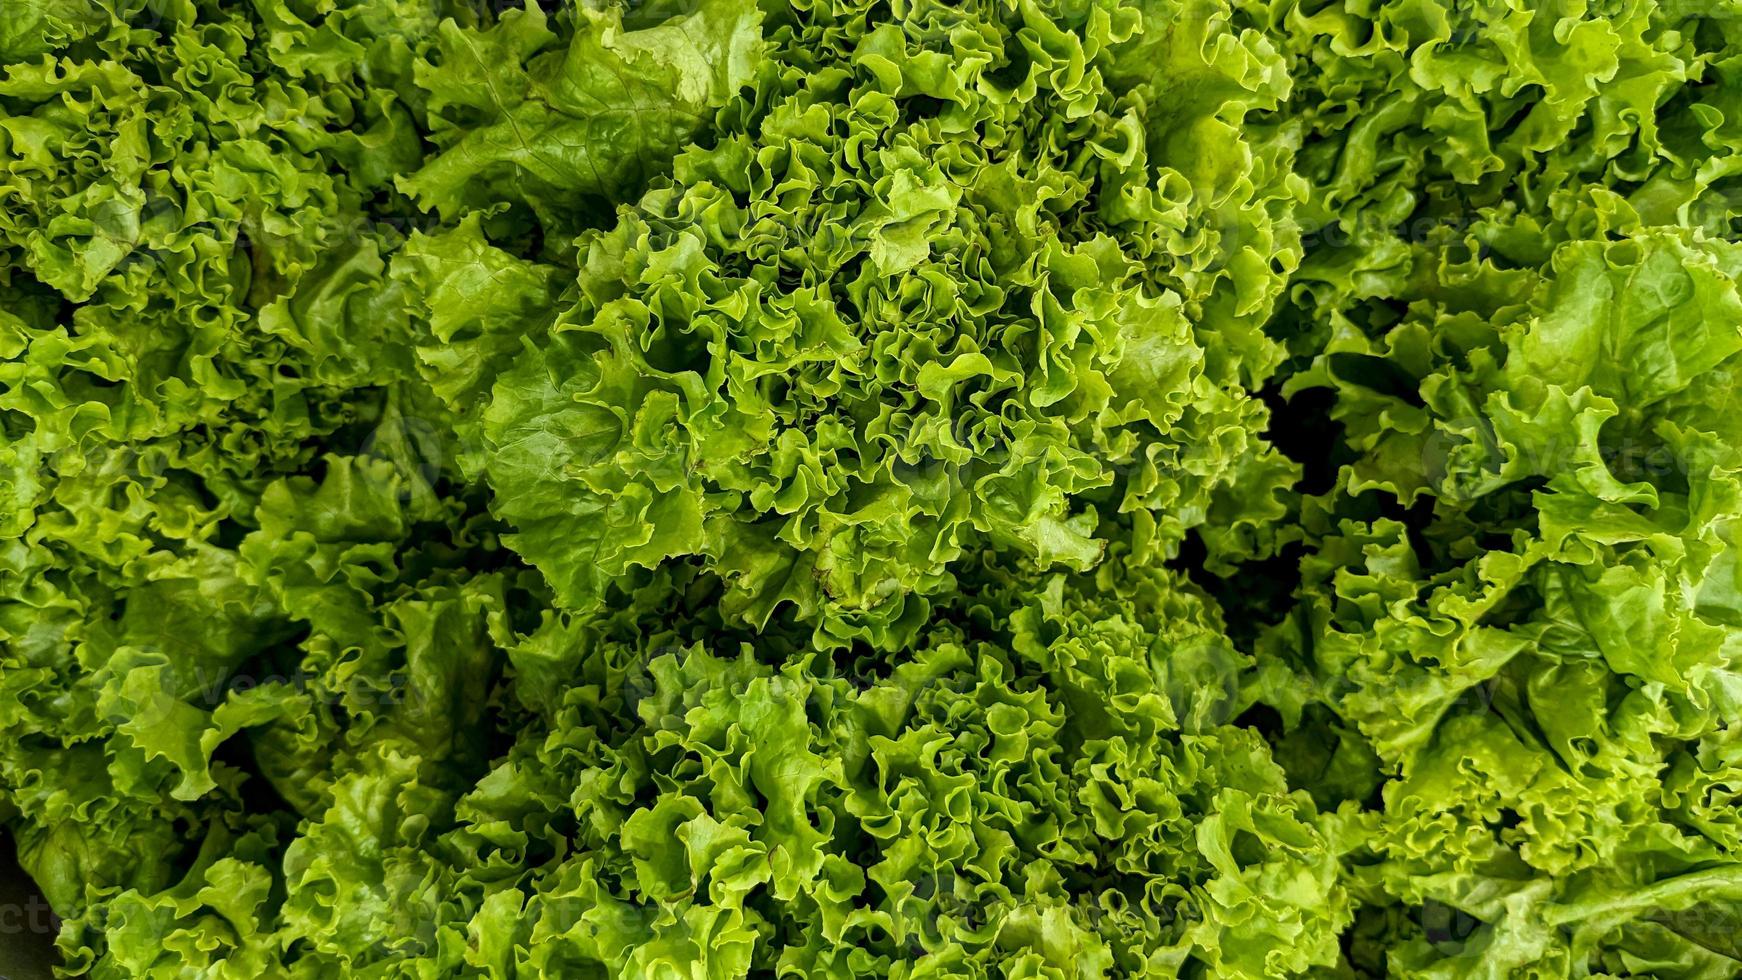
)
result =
(1020, 489)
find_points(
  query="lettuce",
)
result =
(1515, 592)
(1008, 489)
